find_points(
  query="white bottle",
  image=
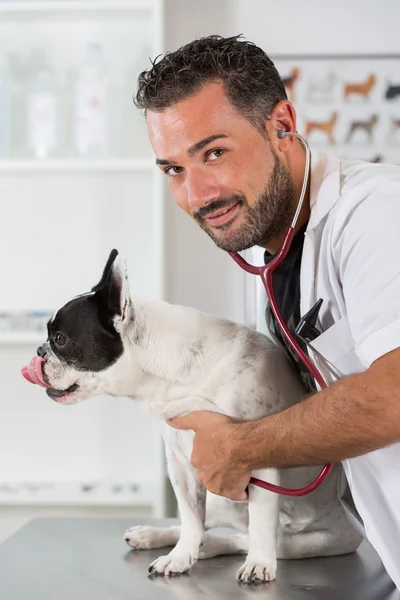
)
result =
(91, 106)
(5, 112)
(135, 141)
(42, 114)
(19, 87)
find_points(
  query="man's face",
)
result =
(222, 171)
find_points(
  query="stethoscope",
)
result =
(306, 330)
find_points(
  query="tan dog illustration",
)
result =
(362, 89)
(326, 126)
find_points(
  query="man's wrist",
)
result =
(245, 444)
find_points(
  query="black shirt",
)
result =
(286, 282)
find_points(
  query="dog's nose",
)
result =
(41, 351)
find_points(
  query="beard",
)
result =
(265, 221)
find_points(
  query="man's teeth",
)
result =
(223, 213)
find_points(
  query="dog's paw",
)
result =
(142, 537)
(259, 571)
(172, 564)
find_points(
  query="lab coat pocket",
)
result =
(337, 346)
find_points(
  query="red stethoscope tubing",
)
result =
(266, 273)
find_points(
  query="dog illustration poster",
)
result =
(349, 105)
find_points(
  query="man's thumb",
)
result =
(186, 422)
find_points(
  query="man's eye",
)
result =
(215, 154)
(60, 339)
(173, 171)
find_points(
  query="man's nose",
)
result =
(201, 189)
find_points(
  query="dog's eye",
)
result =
(60, 339)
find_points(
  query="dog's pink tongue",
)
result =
(33, 372)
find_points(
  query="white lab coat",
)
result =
(351, 259)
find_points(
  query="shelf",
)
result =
(53, 166)
(11, 338)
(74, 5)
(79, 494)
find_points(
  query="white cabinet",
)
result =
(64, 205)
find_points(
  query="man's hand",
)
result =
(215, 448)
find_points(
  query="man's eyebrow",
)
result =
(202, 143)
(162, 161)
(197, 147)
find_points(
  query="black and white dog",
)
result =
(175, 360)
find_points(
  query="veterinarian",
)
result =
(213, 109)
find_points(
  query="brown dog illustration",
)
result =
(395, 123)
(289, 82)
(367, 126)
(362, 89)
(394, 130)
(378, 158)
(326, 126)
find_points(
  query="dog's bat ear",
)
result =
(113, 287)
(107, 270)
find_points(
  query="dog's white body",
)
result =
(176, 360)
(200, 362)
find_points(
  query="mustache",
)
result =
(221, 203)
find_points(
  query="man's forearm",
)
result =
(356, 415)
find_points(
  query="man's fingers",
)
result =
(186, 422)
(191, 420)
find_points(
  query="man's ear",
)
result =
(113, 289)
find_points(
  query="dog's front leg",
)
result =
(260, 564)
(191, 497)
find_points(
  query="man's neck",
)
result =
(275, 245)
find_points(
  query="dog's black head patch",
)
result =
(83, 332)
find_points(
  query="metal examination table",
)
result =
(86, 558)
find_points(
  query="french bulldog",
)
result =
(175, 360)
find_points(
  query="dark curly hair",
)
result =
(249, 77)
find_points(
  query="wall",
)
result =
(287, 26)
(290, 26)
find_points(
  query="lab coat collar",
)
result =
(324, 185)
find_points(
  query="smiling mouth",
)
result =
(58, 394)
(223, 217)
